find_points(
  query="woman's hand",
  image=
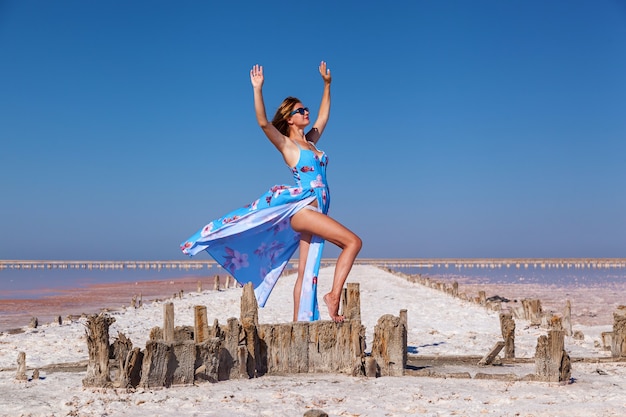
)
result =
(325, 72)
(256, 76)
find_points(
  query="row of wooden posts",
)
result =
(552, 362)
(243, 348)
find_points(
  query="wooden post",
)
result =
(132, 368)
(20, 375)
(352, 309)
(552, 363)
(389, 346)
(98, 345)
(184, 356)
(482, 298)
(155, 364)
(567, 319)
(249, 305)
(199, 286)
(201, 324)
(121, 347)
(404, 317)
(455, 289)
(216, 283)
(507, 326)
(371, 368)
(33, 323)
(532, 311)
(618, 341)
(168, 322)
(208, 356)
(249, 322)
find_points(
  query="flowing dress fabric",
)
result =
(254, 243)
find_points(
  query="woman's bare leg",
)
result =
(305, 240)
(315, 223)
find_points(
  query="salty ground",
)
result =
(438, 326)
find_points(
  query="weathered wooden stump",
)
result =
(208, 360)
(119, 350)
(132, 368)
(507, 326)
(351, 302)
(618, 340)
(249, 319)
(98, 373)
(532, 311)
(567, 318)
(482, 298)
(606, 340)
(33, 323)
(20, 375)
(552, 363)
(216, 283)
(389, 346)
(199, 286)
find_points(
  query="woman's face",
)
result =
(299, 116)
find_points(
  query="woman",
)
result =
(254, 243)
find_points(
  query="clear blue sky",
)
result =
(458, 128)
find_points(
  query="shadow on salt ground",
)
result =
(415, 349)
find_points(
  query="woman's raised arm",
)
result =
(324, 112)
(256, 78)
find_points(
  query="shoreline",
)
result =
(16, 314)
(591, 305)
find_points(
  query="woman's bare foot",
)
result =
(333, 308)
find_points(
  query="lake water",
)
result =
(34, 283)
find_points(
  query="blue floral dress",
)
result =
(255, 243)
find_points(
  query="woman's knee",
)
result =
(355, 243)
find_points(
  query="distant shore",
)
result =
(591, 304)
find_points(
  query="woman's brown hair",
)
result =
(283, 113)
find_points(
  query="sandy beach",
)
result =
(438, 326)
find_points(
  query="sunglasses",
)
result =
(300, 110)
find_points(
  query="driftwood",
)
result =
(552, 363)
(489, 357)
